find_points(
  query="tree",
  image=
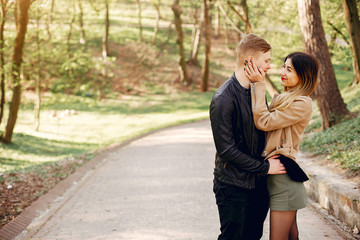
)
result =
(248, 28)
(207, 34)
(4, 9)
(246, 19)
(105, 40)
(332, 108)
(334, 34)
(51, 10)
(228, 19)
(353, 25)
(37, 100)
(81, 22)
(158, 16)
(217, 22)
(71, 26)
(196, 36)
(184, 78)
(21, 10)
(139, 18)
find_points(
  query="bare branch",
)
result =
(218, 3)
(339, 32)
(239, 15)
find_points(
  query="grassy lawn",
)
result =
(340, 143)
(94, 124)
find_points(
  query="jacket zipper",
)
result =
(267, 141)
(284, 139)
(253, 86)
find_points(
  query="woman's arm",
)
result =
(265, 120)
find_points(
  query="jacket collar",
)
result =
(238, 85)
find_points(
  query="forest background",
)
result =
(79, 76)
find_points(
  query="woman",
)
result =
(285, 121)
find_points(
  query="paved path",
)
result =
(159, 188)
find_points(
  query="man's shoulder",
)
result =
(225, 88)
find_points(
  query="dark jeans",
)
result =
(242, 212)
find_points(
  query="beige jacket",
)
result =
(284, 127)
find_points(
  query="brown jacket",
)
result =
(284, 127)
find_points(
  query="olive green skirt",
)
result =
(285, 194)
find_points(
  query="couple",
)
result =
(256, 144)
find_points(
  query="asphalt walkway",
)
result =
(158, 187)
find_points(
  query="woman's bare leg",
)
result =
(280, 224)
(294, 232)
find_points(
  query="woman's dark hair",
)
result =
(307, 68)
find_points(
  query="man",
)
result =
(240, 171)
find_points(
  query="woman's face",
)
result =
(289, 78)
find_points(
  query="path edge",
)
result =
(34, 216)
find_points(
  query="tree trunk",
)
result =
(139, 18)
(245, 19)
(332, 108)
(71, 23)
(2, 60)
(227, 41)
(22, 8)
(158, 16)
(332, 43)
(184, 78)
(37, 101)
(196, 46)
(353, 25)
(217, 22)
(207, 34)
(81, 22)
(51, 10)
(197, 38)
(245, 8)
(221, 8)
(105, 40)
(164, 43)
(339, 32)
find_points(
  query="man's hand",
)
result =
(254, 72)
(276, 167)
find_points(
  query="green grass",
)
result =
(95, 125)
(340, 143)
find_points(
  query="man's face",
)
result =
(263, 60)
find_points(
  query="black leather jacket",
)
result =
(238, 143)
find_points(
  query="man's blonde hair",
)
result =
(251, 44)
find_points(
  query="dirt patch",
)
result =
(139, 69)
(20, 189)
